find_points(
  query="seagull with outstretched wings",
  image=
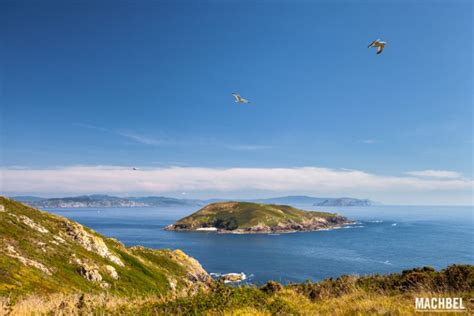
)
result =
(239, 99)
(379, 45)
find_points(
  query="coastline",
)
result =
(249, 231)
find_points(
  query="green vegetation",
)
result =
(255, 217)
(347, 295)
(392, 294)
(42, 253)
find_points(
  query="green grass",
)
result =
(233, 215)
(392, 294)
(347, 295)
(145, 271)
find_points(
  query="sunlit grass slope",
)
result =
(42, 253)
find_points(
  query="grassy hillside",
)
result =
(254, 216)
(42, 253)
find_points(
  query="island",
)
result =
(247, 217)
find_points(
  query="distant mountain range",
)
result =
(317, 201)
(345, 202)
(162, 201)
(105, 201)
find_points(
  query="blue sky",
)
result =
(149, 84)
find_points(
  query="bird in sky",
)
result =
(239, 99)
(379, 44)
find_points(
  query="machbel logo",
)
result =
(439, 304)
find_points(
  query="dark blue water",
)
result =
(385, 239)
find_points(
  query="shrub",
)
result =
(271, 287)
(458, 277)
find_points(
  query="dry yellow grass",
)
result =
(362, 303)
(358, 302)
(246, 311)
(62, 304)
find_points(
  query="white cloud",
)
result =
(435, 174)
(223, 182)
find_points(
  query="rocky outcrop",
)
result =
(12, 252)
(90, 242)
(30, 223)
(90, 273)
(195, 272)
(289, 227)
(232, 277)
(196, 277)
(190, 276)
(112, 272)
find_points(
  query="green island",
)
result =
(50, 265)
(247, 217)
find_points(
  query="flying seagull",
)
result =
(379, 44)
(239, 99)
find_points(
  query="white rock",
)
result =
(113, 273)
(59, 239)
(11, 252)
(30, 223)
(91, 242)
(90, 273)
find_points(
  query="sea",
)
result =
(383, 240)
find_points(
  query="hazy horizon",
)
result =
(226, 198)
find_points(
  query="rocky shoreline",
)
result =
(257, 218)
(310, 226)
(231, 277)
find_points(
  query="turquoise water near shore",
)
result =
(385, 239)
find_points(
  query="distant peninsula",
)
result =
(105, 201)
(345, 202)
(247, 217)
(100, 200)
